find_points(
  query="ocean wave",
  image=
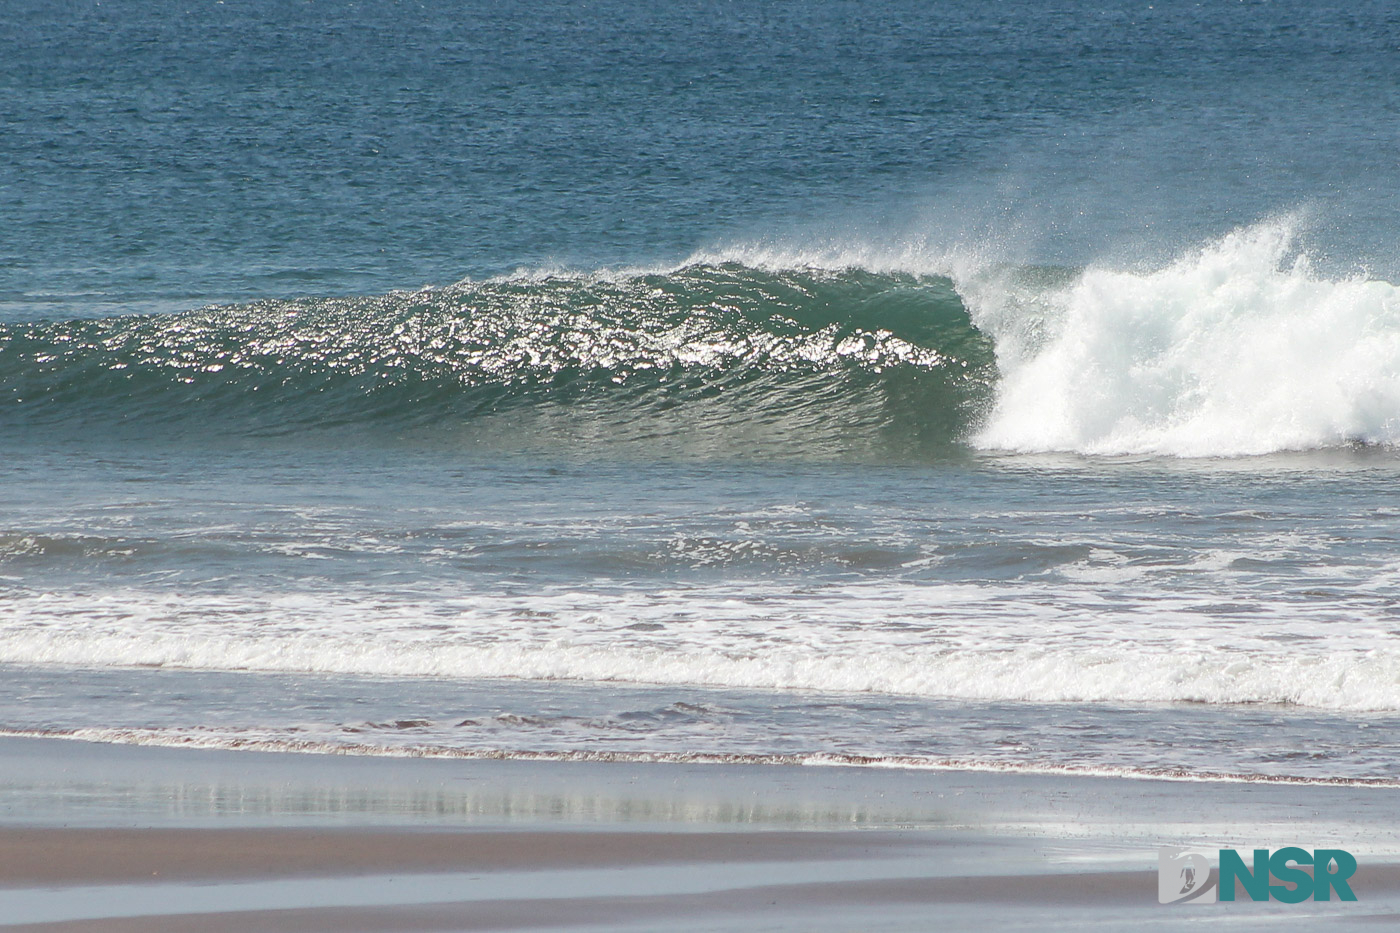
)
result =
(1338, 679)
(1237, 348)
(724, 356)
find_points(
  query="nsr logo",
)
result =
(1187, 875)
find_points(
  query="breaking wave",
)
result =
(1241, 347)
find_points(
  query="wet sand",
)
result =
(120, 838)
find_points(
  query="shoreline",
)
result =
(114, 838)
(155, 739)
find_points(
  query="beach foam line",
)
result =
(209, 740)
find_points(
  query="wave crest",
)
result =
(726, 355)
(1239, 348)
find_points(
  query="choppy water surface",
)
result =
(900, 595)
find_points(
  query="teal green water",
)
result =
(800, 363)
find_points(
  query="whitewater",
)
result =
(1237, 348)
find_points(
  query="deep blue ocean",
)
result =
(941, 384)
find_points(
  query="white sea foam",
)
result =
(269, 741)
(1335, 681)
(1238, 348)
(949, 642)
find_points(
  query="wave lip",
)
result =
(1240, 348)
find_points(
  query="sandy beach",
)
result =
(116, 838)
